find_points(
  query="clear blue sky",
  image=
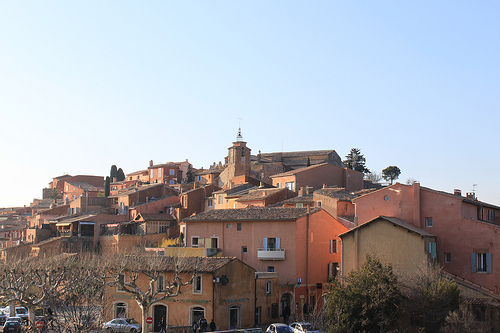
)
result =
(84, 85)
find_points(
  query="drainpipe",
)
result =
(255, 301)
(213, 297)
(307, 254)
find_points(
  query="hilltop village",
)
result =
(274, 229)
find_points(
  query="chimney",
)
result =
(471, 195)
(259, 157)
(301, 192)
(457, 192)
(194, 185)
(261, 185)
(324, 185)
(307, 189)
(114, 179)
(151, 163)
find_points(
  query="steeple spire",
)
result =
(239, 137)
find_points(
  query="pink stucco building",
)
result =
(467, 230)
(302, 245)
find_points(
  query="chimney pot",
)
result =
(457, 192)
(324, 185)
(151, 163)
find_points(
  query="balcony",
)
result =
(271, 254)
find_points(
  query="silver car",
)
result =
(122, 325)
(303, 327)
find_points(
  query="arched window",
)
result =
(121, 310)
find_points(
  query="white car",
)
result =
(122, 325)
(302, 327)
(279, 328)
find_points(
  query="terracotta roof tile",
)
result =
(250, 214)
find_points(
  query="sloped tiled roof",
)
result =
(260, 194)
(301, 153)
(155, 217)
(84, 186)
(341, 194)
(237, 190)
(293, 172)
(185, 264)
(305, 198)
(251, 214)
(396, 221)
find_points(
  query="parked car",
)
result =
(279, 328)
(21, 311)
(12, 326)
(303, 327)
(3, 317)
(122, 325)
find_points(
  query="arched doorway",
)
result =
(197, 313)
(234, 317)
(159, 311)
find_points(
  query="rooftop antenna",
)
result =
(239, 137)
(474, 188)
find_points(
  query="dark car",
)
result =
(12, 326)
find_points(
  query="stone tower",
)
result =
(239, 157)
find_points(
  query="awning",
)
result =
(111, 225)
(63, 224)
(91, 223)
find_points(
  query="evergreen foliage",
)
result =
(369, 299)
(391, 173)
(356, 161)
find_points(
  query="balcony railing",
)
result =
(271, 254)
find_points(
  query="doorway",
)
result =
(159, 311)
(234, 317)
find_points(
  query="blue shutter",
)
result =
(433, 250)
(265, 244)
(473, 263)
(278, 243)
(488, 263)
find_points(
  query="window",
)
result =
(299, 205)
(278, 185)
(345, 207)
(271, 244)
(428, 221)
(481, 262)
(159, 172)
(197, 285)
(238, 226)
(199, 178)
(209, 202)
(184, 201)
(432, 250)
(333, 246)
(172, 182)
(121, 279)
(172, 172)
(244, 249)
(319, 204)
(67, 188)
(160, 283)
(151, 176)
(269, 287)
(270, 268)
(220, 199)
(121, 310)
(194, 242)
(290, 186)
(229, 225)
(214, 242)
(333, 268)
(447, 257)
